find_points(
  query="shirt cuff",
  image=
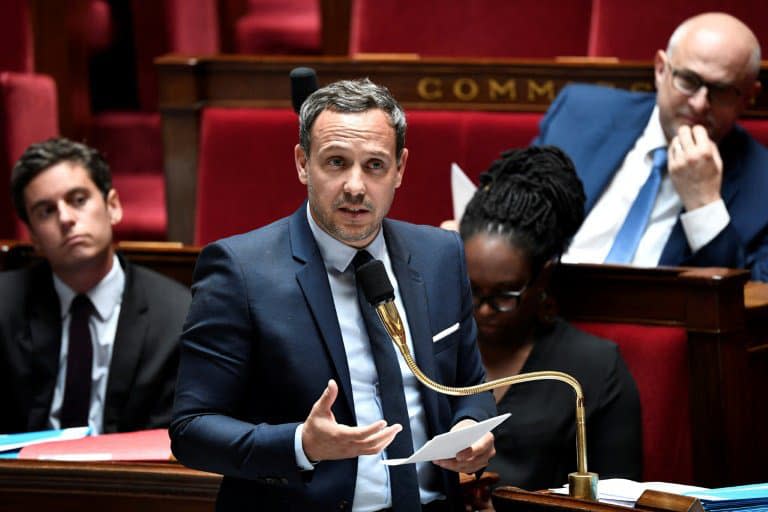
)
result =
(702, 225)
(302, 461)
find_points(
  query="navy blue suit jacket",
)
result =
(597, 126)
(262, 340)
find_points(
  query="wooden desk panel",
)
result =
(28, 485)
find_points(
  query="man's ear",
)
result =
(401, 166)
(114, 207)
(301, 163)
(659, 66)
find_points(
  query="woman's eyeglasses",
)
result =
(501, 302)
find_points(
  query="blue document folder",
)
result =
(746, 498)
(12, 443)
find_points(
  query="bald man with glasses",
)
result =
(670, 178)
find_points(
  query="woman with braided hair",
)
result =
(521, 219)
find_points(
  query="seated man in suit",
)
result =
(696, 201)
(286, 386)
(86, 338)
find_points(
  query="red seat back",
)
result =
(16, 37)
(657, 357)
(247, 177)
(187, 27)
(480, 28)
(28, 114)
(653, 21)
(279, 26)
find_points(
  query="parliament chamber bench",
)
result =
(695, 339)
(229, 132)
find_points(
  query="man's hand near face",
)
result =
(695, 167)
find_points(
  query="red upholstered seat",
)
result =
(129, 140)
(28, 114)
(758, 128)
(279, 26)
(657, 359)
(480, 28)
(246, 175)
(187, 27)
(490, 133)
(143, 200)
(15, 37)
(635, 30)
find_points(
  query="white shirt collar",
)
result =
(104, 296)
(338, 255)
(653, 135)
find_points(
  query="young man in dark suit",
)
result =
(281, 385)
(86, 338)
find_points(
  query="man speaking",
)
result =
(286, 386)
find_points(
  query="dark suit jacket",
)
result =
(142, 374)
(262, 340)
(597, 126)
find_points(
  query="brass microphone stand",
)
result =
(581, 484)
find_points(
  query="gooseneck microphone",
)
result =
(303, 83)
(378, 291)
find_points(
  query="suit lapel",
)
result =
(313, 280)
(43, 347)
(604, 159)
(131, 334)
(414, 295)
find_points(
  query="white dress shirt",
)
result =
(372, 490)
(107, 298)
(594, 239)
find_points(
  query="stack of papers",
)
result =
(747, 498)
(624, 492)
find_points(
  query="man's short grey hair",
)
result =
(352, 96)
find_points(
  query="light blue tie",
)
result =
(628, 237)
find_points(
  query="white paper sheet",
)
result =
(462, 190)
(446, 446)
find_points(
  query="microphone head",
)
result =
(303, 83)
(373, 279)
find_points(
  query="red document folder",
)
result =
(144, 445)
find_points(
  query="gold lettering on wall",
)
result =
(547, 89)
(465, 89)
(641, 86)
(430, 88)
(497, 90)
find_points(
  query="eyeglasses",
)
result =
(501, 302)
(689, 83)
